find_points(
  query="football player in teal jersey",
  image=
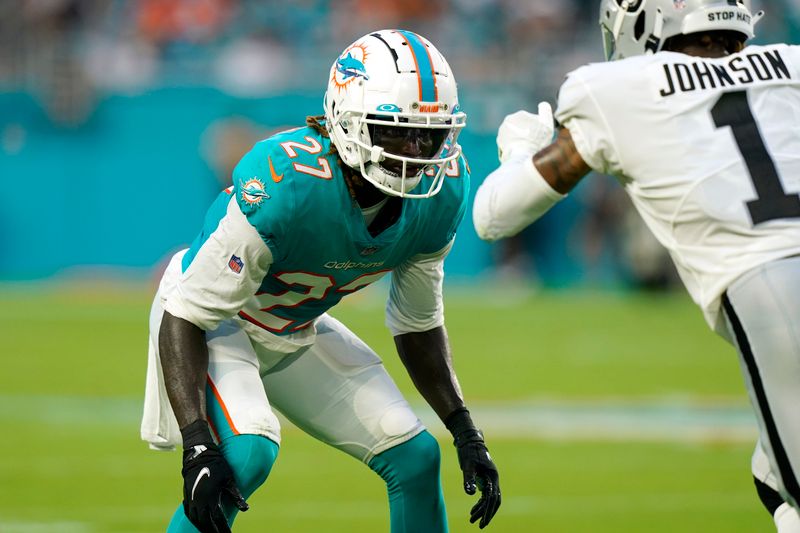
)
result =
(239, 326)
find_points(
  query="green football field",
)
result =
(605, 412)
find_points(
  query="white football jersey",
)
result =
(707, 149)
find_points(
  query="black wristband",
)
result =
(460, 425)
(196, 433)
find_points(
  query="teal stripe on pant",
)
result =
(411, 472)
(251, 458)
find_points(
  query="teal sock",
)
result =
(251, 458)
(411, 473)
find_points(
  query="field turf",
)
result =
(73, 372)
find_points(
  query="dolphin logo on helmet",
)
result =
(350, 67)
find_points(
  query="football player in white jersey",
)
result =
(702, 132)
(239, 325)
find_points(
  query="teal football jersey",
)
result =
(292, 191)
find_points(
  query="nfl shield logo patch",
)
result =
(235, 264)
(679, 4)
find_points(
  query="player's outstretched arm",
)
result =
(526, 186)
(207, 477)
(560, 164)
(426, 356)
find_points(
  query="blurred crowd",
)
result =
(249, 47)
(507, 54)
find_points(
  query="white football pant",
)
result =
(762, 310)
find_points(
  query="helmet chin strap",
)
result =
(375, 171)
(393, 185)
(376, 154)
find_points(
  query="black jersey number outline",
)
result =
(733, 109)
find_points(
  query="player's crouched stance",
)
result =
(239, 324)
(696, 128)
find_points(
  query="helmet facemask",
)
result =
(399, 150)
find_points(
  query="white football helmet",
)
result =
(389, 88)
(636, 27)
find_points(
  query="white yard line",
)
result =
(44, 527)
(662, 420)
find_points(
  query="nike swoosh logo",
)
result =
(275, 177)
(203, 472)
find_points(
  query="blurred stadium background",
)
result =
(607, 403)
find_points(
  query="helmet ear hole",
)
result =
(638, 28)
(342, 123)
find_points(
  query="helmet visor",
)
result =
(420, 143)
(408, 140)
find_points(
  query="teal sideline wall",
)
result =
(128, 187)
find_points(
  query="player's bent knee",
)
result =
(426, 457)
(414, 462)
(411, 473)
(251, 458)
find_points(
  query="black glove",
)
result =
(477, 465)
(207, 479)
